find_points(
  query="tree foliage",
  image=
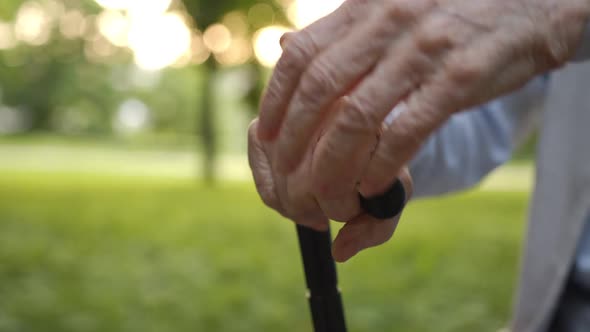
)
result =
(207, 12)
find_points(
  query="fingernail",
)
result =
(284, 39)
(356, 249)
(345, 252)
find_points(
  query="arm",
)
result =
(472, 144)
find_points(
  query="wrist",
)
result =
(569, 23)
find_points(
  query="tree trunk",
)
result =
(207, 128)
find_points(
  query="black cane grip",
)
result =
(387, 205)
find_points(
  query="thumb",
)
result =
(366, 231)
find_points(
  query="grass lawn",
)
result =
(106, 253)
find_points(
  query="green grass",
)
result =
(106, 253)
(98, 158)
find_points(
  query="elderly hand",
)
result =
(292, 197)
(439, 56)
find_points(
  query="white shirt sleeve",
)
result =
(473, 143)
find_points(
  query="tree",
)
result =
(46, 78)
(205, 13)
(40, 78)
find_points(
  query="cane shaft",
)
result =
(322, 282)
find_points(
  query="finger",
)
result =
(357, 235)
(405, 66)
(351, 136)
(468, 78)
(301, 195)
(285, 39)
(299, 49)
(261, 170)
(334, 72)
(290, 196)
(344, 205)
(425, 111)
(365, 231)
(300, 202)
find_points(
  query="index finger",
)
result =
(299, 50)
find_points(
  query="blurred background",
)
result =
(126, 202)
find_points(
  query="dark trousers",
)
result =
(573, 310)
(572, 313)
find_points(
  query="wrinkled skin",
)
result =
(338, 79)
(440, 56)
(292, 197)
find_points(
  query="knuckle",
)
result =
(316, 83)
(357, 119)
(295, 57)
(417, 64)
(354, 8)
(407, 11)
(300, 49)
(289, 64)
(400, 10)
(290, 60)
(465, 69)
(434, 36)
(354, 4)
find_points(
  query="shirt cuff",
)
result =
(583, 53)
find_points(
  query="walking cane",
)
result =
(324, 297)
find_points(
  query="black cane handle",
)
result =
(387, 205)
